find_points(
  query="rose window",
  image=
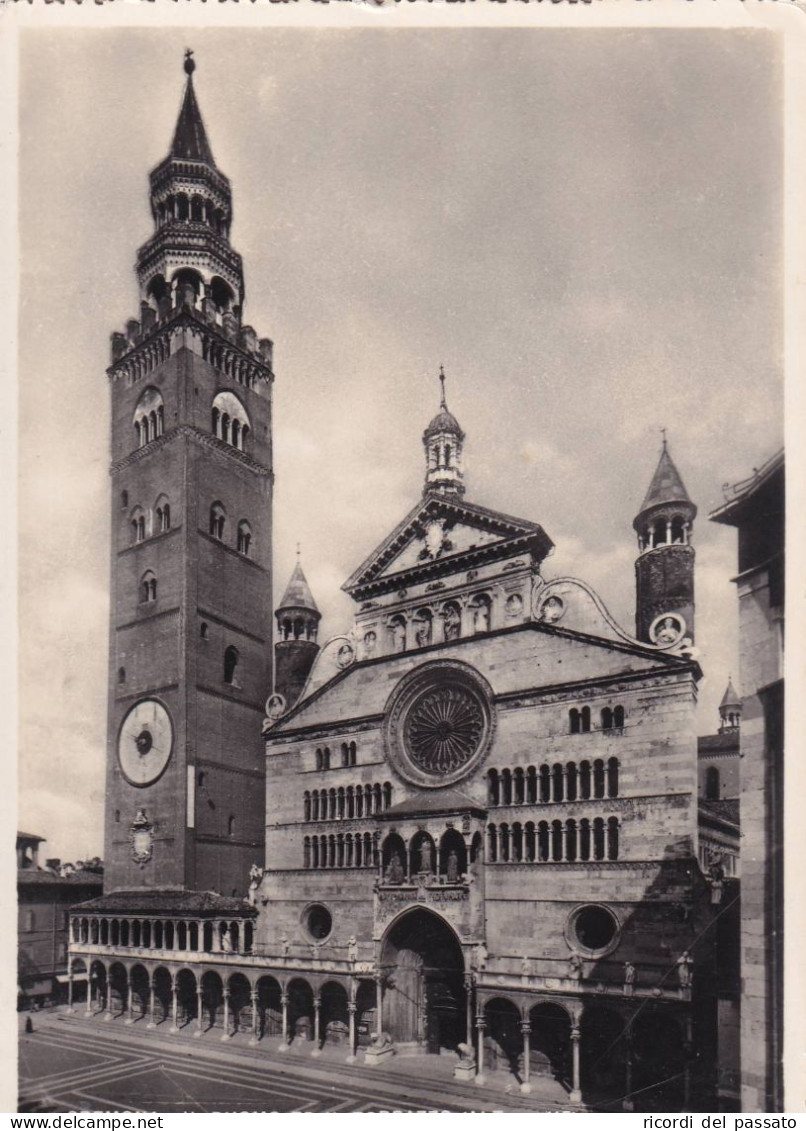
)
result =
(444, 729)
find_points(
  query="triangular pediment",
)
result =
(444, 531)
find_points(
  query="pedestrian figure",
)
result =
(29, 1025)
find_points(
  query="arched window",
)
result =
(520, 786)
(203, 630)
(121, 675)
(712, 784)
(387, 794)
(493, 794)
(543, 841)
(598, 839)
(598, 778)
(162, 509)
(320, 765)
(618, 717)
(221, 293)
(531, 785)
(530, 844)
(218, 519)
(326, 758)
(229, 419)
(545, 784)
(585, 719)
(612, 777)
(352, 749)
(124, 499)
(306, 806)
(231, 658)
(584, 839)
(573, 721)
(231, 825)
(345, 754)
(244, 537)
(306, 850)
(556, 840)
(137, 521)
(557, 783)
(492, 844)
(607, 718)
(571, 782)
(570, 840)
(148, 587)
(148, 411)
(503, 833)
(506, 787)
(612, 838)
(585, 780)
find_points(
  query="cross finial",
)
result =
(442, 403)
(298, 550)
(190, 65)
(663, 433)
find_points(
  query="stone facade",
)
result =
(756, 508)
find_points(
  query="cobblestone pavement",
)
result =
(71, 1064)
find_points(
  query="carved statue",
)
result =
(576, 964)
(684, 970)
(467, 1055)
(452, 867)
(452, 622)
(226, 941)
(395, 873)
(381, 1040)
(668, 631)
(481, 956)
(422, 631)
(526, 966)
(352, 949)
(629, 974)
(285, 945)
(481, 617)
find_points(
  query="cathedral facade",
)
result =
(468, 826)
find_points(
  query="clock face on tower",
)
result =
(145, 742)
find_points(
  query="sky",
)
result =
(583, 227)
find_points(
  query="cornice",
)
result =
(206, 439)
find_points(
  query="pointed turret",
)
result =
(730, 709)
(189, 262)
(665, 567)
(297, 625)
(190, 137)
(443, 440)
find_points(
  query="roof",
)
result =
(298, 593)
(31, 836)
(727, 810)
(42, 876)
(169, 903)
(738, 494)
(718, 743)
(666, 486)
(433, 801)
(444, 421)
(190, 138)
(730, 698)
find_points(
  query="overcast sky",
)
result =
(582, 226)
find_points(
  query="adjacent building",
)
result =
(756, 507)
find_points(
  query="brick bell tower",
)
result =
(664, 569)
(190, 634)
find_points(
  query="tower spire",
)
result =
(664, 569)
(190, 137)
(443, 440)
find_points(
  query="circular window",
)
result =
(439, 723)
(594, 929)
(318, 922)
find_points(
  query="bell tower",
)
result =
(297, 626)
(664, 569)
(443, 440)
(191, 509)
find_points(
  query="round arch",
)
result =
(425, 998)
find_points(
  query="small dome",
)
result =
(298, 593)
(444, 421)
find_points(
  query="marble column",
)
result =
(108, 997)
(284, 1042)
(526, 1030)
(317, 1007)
(253, 998)
(576, 1089)
(88, 1006)
(351, 1037)
(70, 987)
(129, 999)
(152, 1022)
(379, 1003)
(468, 984)
(199, 1009)
(481, 1026)
(225, 1036)
(174, 1007)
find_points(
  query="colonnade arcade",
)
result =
(209, 936)
(302, 1010)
